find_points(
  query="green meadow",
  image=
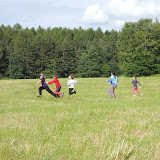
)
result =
(85, 126)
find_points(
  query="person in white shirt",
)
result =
(70, 84)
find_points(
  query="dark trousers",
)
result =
(58, 89)
(70, 91)
(48, 90)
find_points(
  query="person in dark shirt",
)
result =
(44, 86)
(134, 81)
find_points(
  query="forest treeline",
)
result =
(25, 53)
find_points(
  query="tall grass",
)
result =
(87, 125)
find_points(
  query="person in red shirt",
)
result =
(58, 86)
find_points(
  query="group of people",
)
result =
(111, 90)
(114, 83)
(57, 92)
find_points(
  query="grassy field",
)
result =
(85, 126)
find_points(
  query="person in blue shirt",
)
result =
(111, 90)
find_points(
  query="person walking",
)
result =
(111, 90)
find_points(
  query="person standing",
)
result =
(111, 90)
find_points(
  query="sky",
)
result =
(106, 14)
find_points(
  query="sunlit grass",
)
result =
(87, 125)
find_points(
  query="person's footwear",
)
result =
(134, 95)
(75, 92)
(141, 94)
(39, 96)
(62, 94)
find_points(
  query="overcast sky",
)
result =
(106, 14)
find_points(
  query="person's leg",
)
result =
(73, 92)
(70, 91)
(52, 93)
(109, 91)
(114, 93)
(133, 90)
(138, 91)
(57, 91)
(40, 90)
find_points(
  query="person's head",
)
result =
(70, 77)
(55, 76)
(134, 77)
(42, 76)
(113, 73)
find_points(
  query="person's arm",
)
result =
(117, 79)
(39, 82)
(51, 82)
(109, 80)
(139, 83)
(68, 84)
(75, 81)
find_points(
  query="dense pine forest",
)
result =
(25, 53)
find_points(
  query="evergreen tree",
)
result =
(136, 55)
(17, 67)
(89, 64)
(86, 53)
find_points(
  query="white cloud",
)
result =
(108, 14)
(132, 8)
(53, 3)
(119, 23)
(94, 14)
(115, 13)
